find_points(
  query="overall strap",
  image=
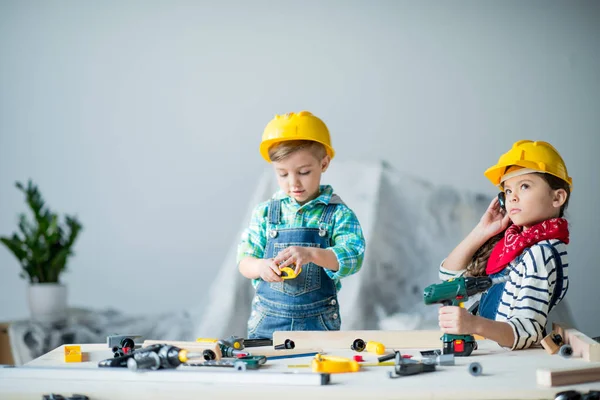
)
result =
(274, 213)
(327, 214)
(330, 209)
(559, 276)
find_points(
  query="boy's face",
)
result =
(299, 175)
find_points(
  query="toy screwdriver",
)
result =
(167, 357)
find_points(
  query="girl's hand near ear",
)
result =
(494, 220)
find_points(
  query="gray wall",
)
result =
(144, 118)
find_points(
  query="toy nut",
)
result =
(475, 369)
(566, 350)
(358, 345)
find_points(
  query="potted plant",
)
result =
(43, 247)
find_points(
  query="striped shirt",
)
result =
(527, 294)
(347, 237)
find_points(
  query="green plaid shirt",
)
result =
(347, 237)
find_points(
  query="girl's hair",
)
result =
(282, 150)
(476, 266)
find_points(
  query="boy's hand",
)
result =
(456, 320)
(295, 256)
(269, 271)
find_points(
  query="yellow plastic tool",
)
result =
(206, 340)
(73, 354)
(290, 273)
(375, 347)
(333, 365)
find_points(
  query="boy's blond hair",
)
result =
(283, 150)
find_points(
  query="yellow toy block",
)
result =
(73, 354)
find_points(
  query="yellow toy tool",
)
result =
(333, 365)
(290, 273)
(375, 347)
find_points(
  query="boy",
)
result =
(305, 229)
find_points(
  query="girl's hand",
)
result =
(269, 271)
(295, 256)
(456, 320)
(494, 220)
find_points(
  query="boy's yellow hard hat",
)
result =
(295, 126)
(538, 156)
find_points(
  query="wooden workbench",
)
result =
(506, 375)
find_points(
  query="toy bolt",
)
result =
(387, 357)
(288, 344)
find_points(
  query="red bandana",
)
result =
(516, 240)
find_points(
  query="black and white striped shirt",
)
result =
(527, 295)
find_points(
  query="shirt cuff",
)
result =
(515, 334)
(446, 274)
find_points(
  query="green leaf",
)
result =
(44, 244)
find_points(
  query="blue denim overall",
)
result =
(305, 303)
(490, 300)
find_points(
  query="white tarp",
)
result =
(409, 225)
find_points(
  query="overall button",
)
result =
(333, 302)
(322, 232)
(334, 316)
(273, 234)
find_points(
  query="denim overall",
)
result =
(490, 300)
(307, 302)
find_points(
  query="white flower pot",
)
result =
(47, 302)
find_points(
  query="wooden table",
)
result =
(506, 375)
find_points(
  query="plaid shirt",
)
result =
(347, 238)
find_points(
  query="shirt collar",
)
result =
(326, 191)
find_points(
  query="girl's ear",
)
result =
(560, 196)
(325, 163)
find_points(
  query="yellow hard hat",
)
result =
(295, 126)
(533, 156)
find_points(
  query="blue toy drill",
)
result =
(454, 292)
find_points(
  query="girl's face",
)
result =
(530, 200)
(299, 175)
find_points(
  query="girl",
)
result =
(523, 235)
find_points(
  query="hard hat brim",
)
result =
(496, 172)
(267, 144)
